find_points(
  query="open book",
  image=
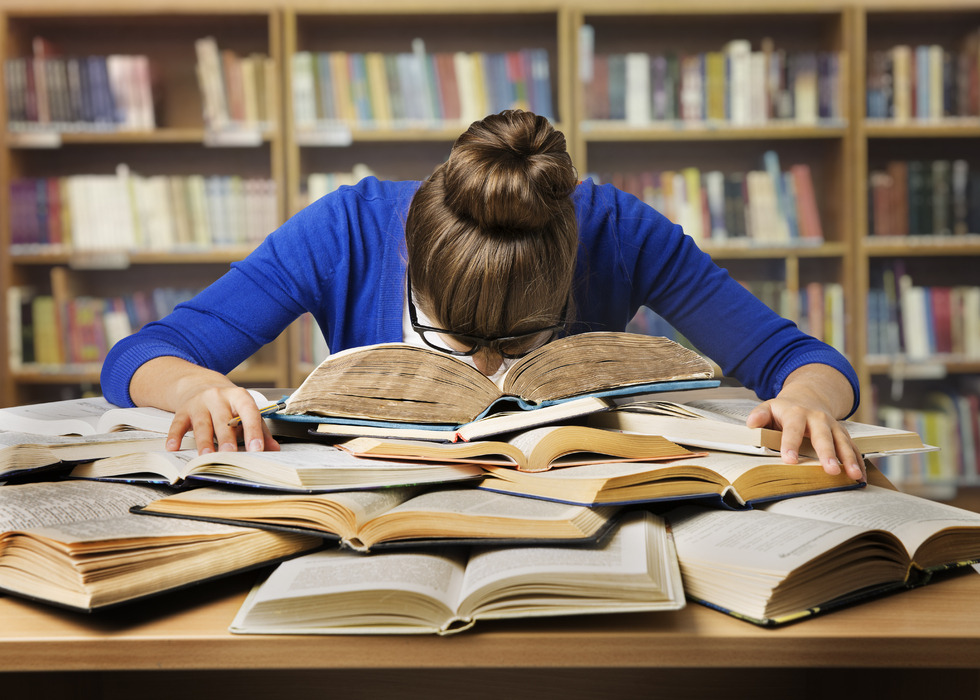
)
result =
(736, 480)
(297, 467)
(408, 384)
(88, 416)
(362, 520)
(21, 453)
(444, 591)
(534, 450)
(802, 556)
(74, 543)
(720, 424)
(490, 425)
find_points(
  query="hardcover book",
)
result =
(799, 557)
(404, 383)
(444, 591)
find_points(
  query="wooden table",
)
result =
(919, 643)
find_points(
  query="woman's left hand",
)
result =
(808, 405)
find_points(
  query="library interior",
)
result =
(820, 152)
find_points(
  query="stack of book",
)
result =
(636, 502)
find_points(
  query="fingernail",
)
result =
(256, 445)
(228, 447)
(832, 466)
(172, 444)
(206, 450)
(792, 456)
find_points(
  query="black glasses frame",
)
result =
(477, 341)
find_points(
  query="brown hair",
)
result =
(491, 235)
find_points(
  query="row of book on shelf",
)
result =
(734, 85)
(922, 322)
(52, 331)
(236, 91)
(950, 418)
(924, 198)
(767, 206)
(128, 211)
(924, 81)
(51, 91)
(628, 503)
(416, 88)
(818, 309)
(47, 90)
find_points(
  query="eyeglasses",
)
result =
(465, 345)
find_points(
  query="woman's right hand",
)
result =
(203, 401)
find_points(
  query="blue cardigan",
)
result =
(343, 259)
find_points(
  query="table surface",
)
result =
(930, 627)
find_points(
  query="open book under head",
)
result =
(405, 383)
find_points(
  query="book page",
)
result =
(47, 503)
(131, 526)
(338, 591)
(738, 410)
(476, 503)
(287, 508)
(9, 439)
(753, 539)
(79, 417)
(732, 465)
(910, 518)
(619, 569)
(394, 381)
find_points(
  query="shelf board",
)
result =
(599, 131)
(913, 246)
(344, 135)
(97, 260)
(935, 367)
(44, 139)
(965, 127)
(722, 251)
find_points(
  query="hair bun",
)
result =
(509, 172)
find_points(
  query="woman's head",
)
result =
(491, 234)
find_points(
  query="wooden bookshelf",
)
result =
(179, 145)
(841, 151)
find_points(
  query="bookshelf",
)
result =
(390, 137)
(842, 145)
(908, 138)
(173, 153)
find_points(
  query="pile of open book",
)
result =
(605, 497)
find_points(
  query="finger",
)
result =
(178, 429)
(794, 427)
(252, 426)
(271, 444)
(226, 436)
(760, 417)
(203, 432)
(825, 446)
(849, 455)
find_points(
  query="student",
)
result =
(502, 247)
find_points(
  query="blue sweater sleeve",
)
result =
(632, 256)
(337, 259)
